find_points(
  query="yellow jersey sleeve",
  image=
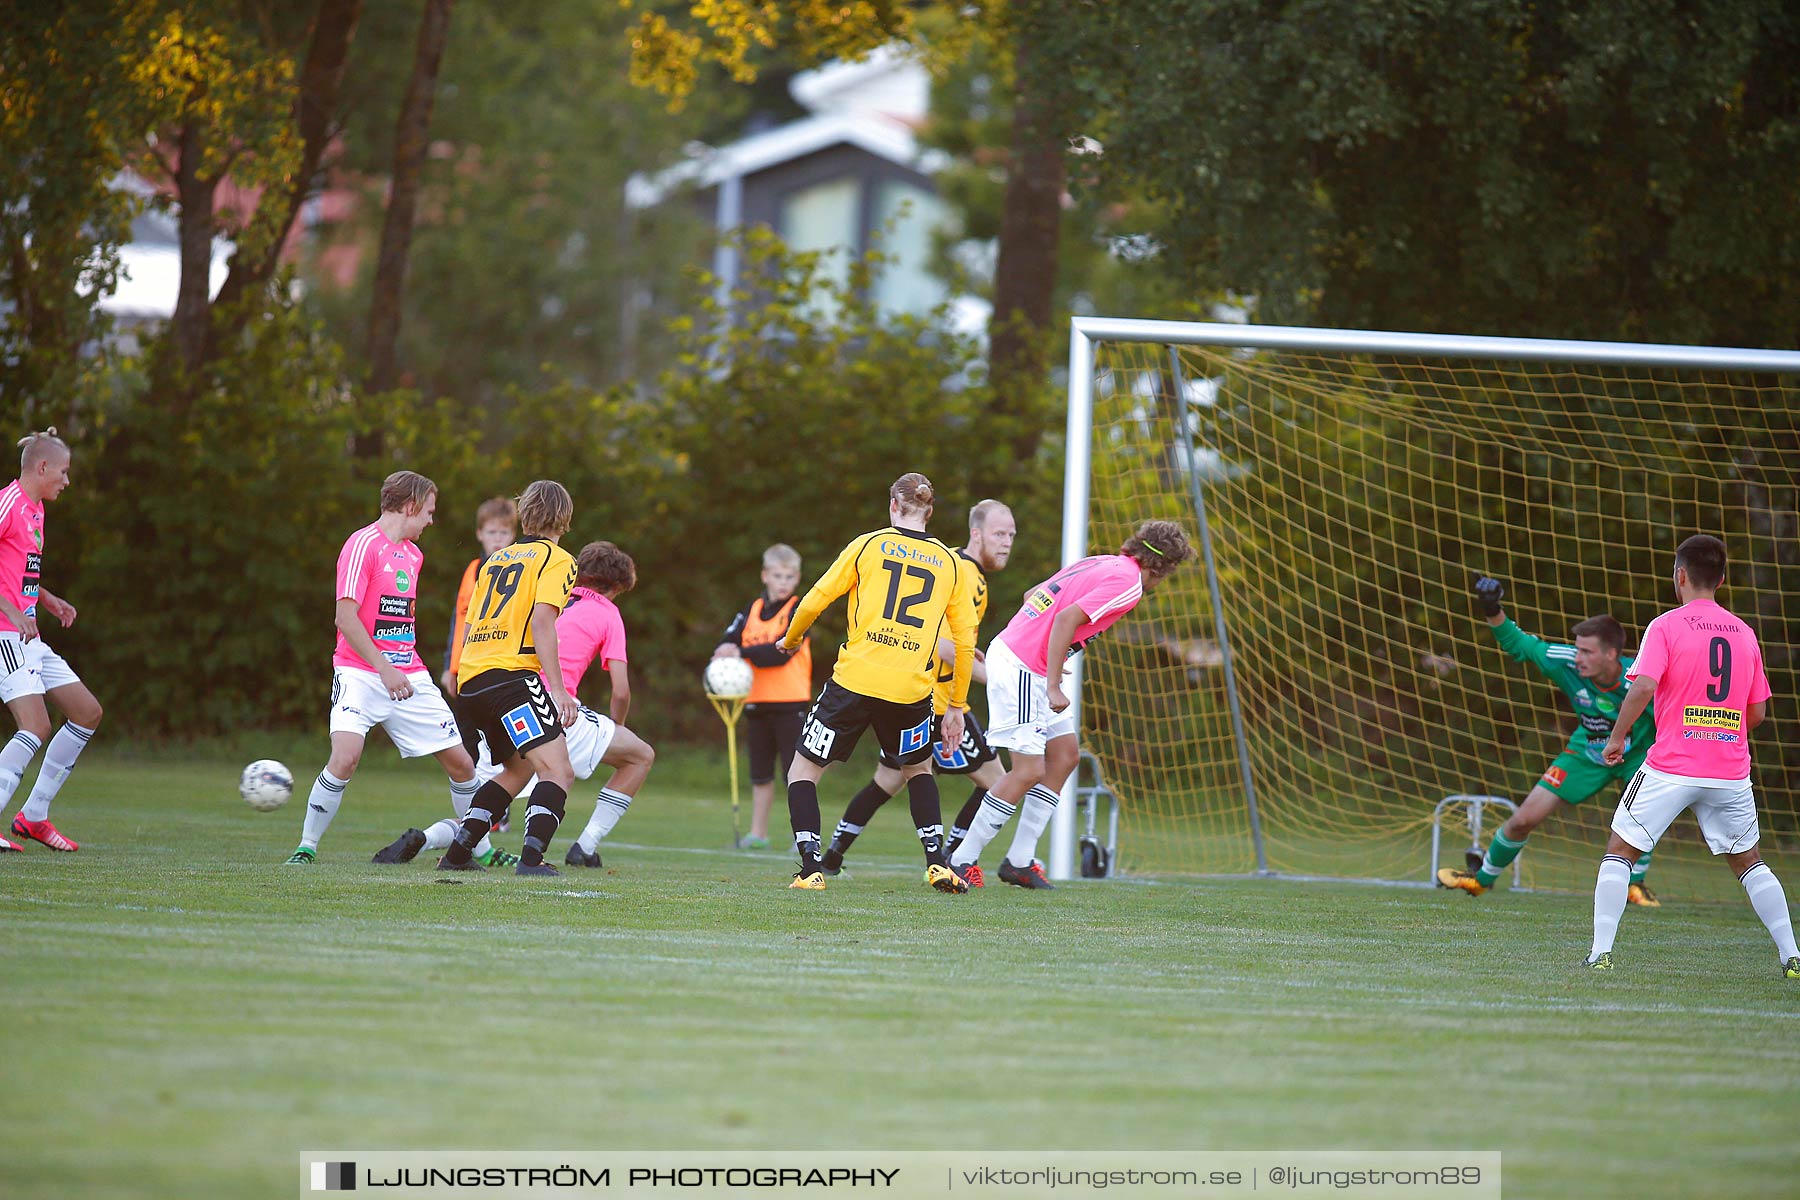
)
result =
(839, 578)
(556, 579)
(973, 582)
(965, 624)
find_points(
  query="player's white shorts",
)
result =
(30, 668)
(1726, 810)
(418, 725)
(1019, 716)
(589, 736)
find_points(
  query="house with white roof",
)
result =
(847, 177)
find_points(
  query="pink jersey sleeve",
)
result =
(356, 562)
(1759, 683)
(1653, 657)
(1111, 590)
(15, 544)
(612, 642)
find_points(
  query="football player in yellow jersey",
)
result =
(511, 682)
(991, 533)
(906, 591)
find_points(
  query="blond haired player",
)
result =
(906, 591)
(377, 676)
(991, 533)
(30, 671)
(511, 681)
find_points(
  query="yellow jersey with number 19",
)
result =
(906, 591)
(508, 586)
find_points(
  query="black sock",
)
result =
(928, 818)
(842, 837)
(489, 798)
(803, 815)
(541, 819)
(865, 804)
(959, 829)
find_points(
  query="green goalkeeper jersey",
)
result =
(1596, 708)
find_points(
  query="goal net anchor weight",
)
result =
(730, 708)
(1475, 805)
(1099, 859)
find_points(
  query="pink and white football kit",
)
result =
(1708, 670)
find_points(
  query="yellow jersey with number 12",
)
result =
(508, 586)
(906, 591)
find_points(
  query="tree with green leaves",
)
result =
(410, 133)
(76, 97)
(526, 268)
(1482, 166)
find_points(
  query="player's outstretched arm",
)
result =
(1518, 645)
(836, 581)
(56, 606)
(1488, 594)
(1643, 690)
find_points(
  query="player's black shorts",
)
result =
(512, 710)
(839, 716)
(773, 730)
(965, 759)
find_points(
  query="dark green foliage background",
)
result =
(199, 543)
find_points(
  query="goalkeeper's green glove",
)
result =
(1488, 592)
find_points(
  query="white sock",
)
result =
(1770, 903)
(439, 835)
(607, 810)
(14, 758)
(461, 794)
(59, 760)
(1610, 887)
(321, 806)
(1034, 814)
(990, 819)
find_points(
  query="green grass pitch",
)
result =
(183, 1014)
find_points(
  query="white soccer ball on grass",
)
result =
(266, 785)
(729, 678)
